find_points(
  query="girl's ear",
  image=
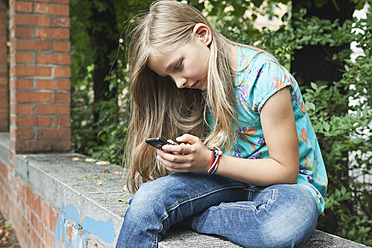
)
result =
(202, 32)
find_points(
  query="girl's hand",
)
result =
(189, 156)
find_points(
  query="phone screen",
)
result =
(157, 142)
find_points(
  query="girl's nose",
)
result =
(180, 82)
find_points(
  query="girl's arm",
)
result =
(278, 124)
(280, 134)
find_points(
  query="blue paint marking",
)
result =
(72, 213)
(104, 230)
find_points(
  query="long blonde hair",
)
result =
(158, 107)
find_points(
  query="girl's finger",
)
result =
(177, 149)
(187, 138)
(171, 166)
(174, 157)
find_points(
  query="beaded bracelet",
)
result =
(214, 162)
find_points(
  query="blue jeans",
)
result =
(282, 215)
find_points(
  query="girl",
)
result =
(248, 165)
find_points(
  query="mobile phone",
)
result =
(157, 142)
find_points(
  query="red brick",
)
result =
(62, 97)
(32, 20)
(50, 109)
(57, 84)
(28, 70)
(49, 238)
(30, 195)
(3, 67)
(52, 9)
(54, 214)
(22, 134)
(23, 6)
(62, 145)
(32, 45)
(35, 205)
(62, 72)
(62, 1)
(62, 121)
(45, 214)
(21, 83)
(33, 96)
(53, 134)
(52, 33)
(3, 170)
(32, 121)
(33, 146)
(53, 58)
(23, 194)
(62, 46)
(21, 32)
(22, 109)
(20, 57)
(61, 21)
(35, 240)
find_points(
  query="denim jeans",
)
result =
(283, 215)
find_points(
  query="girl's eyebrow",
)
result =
(173, 63)
(170, 65)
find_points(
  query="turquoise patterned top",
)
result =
(254, 85)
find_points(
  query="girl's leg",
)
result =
(168, 200)
(277, 216)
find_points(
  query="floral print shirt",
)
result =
(258, 78)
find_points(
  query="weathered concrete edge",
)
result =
(4, 148)
(62, 195)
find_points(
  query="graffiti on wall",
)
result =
(77, 237)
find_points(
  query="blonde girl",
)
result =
(247, 165)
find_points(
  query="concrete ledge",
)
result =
(81, 191)
(90, 199)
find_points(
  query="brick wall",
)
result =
(33, 219)
(3, 69)
(39, 76)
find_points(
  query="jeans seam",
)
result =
(272, 199)
(200, 195)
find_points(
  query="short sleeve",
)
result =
(267, 79)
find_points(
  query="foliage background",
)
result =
(340, 110)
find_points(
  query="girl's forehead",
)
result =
(158, 61)
(158, 52)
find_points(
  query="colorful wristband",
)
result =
(214, 162)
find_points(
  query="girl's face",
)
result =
(188, 65)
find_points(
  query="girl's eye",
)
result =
(179, 66)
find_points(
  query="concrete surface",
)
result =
(98, 191)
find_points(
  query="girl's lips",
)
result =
(195, 84)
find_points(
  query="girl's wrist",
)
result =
(215, 159)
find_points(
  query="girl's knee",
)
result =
(152, 197)
(294, 224)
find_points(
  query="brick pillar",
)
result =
(39, 76)
(3, 68)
